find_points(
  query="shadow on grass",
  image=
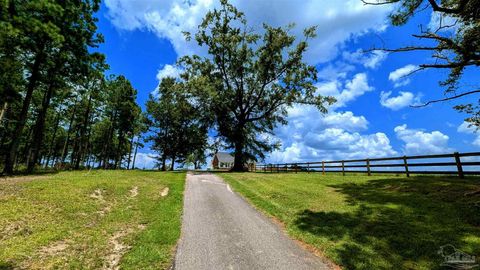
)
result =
(400, 223)
(24, 173)
(6, 266)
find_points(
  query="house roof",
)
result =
(224, 157)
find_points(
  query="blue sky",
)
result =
(372, 118)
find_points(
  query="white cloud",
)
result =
(145, 160)
(311, 136)
(476, 142)
(465, 127)
(347, 91)
(168, 71)
(300, 114)
(399, 76)
(334, 144)
(368, 60)
(335, 71)
(403, 100)
(168, 18)
(419, 142)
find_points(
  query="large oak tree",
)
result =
(249, 79)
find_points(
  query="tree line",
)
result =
(58, 108)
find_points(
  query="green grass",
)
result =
(90, 220)
(378, 222)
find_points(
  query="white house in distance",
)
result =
(225, 161)
(222, 161)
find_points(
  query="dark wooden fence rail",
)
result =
(375, 165)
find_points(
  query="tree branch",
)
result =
(407, 49)
(379, 3)
(445, 99)
(438, 8)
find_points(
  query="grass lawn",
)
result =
(90, 220)
(377, 222)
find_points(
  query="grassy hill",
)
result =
(90, 220)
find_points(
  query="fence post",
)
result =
(308, 167)
(323, 167)
(271, 168)
(405, 163)
(343, 168)
(278, 168)
(368, 167)
(459, 165)
(296, 167)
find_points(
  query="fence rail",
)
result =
(369, 165)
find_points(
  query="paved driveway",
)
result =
(222, 231)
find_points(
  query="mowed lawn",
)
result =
(90, 220)
(378, 222)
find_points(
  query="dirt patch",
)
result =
(119, 248)
(105, 210)
(117, 251)
(54, 248)
(97, 194)
(16, 228)
(164, 192)
(134, 192)
(40, 260)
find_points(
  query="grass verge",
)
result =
(90, 220)
(376, 222)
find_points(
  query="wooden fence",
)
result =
(384, 165)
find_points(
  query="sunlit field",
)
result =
(376, 222)
(90, 220)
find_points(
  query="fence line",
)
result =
(369, 165)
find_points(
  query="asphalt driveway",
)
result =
(222, 231)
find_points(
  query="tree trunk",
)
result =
(75, 145)
(88, 149)
(4, 109)
(173, 163)
(164, 162)
(119, 156)
(135, 155)
(52, 142)
(239, 161)
(83, 130)
(108, 141)
(65, 145)
(22, 119)
(39, 129)
(26, 148)
(130, 153)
